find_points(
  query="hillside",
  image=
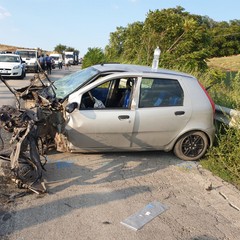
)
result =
(231, 63)
(9, 48)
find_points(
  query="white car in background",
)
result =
(11, 65)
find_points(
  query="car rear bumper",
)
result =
(30, 68)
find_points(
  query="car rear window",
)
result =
(159, 92)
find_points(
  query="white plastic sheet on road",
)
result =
(145, 215)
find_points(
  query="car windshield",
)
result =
(70, 83)
(6, 58)
(27, 54)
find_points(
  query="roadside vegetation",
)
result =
(228, 64)
(223, 159)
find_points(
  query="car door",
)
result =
(162, 113)
(102, 123)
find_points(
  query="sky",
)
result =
(88, 24)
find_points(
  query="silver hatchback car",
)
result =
(121, 107)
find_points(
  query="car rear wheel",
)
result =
(191, 146)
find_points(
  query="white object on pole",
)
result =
(156, 56)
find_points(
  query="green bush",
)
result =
(223, 159)
(223, 87)
(226, 92)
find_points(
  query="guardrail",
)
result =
(227, 116)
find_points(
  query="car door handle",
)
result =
(122, 117)
(179, 113)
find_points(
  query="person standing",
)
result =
(66, 64)
(49, 64)
(42, 62)
(60, 63)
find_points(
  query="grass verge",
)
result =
(230, 63)
(223, 159)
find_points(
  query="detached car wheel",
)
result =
(191, 146)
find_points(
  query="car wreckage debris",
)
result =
(33, 124)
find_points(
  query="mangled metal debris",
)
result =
(33, 123)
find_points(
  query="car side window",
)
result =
(159, 92)
(113, 94)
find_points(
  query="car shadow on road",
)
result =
(69, 172)
(46, 212)
(65, 170)
(203, 237)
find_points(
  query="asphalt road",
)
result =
(89, 195)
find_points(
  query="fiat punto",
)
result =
(11, 65)
(121, 107)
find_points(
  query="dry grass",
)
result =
(10, 48)
(231, 63)
(7, 48)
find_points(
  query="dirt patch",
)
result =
(8, 194)
(7, 187)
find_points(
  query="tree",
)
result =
(176, 32)
(225, 38)
(114, 50)
(93, 56)
(63, 48)
(70, 49)
(131, 53)
(60, 48)
(186, 40)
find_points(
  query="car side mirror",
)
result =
(71, 107)
(23, 61)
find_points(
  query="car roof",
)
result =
(116, 67)
(24, 49)
(9, 54)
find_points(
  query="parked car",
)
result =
(11, 65)
(119, 107)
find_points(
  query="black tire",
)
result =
(191, 146)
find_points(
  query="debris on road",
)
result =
(145, 215)
(33, 124)
(230, 204)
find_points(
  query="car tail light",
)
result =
(209, 98)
